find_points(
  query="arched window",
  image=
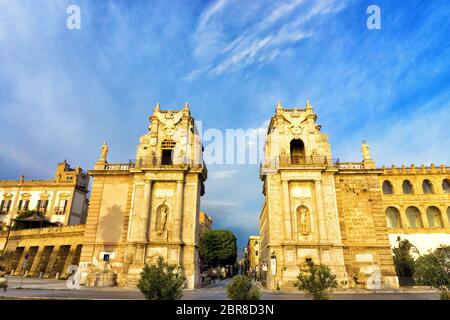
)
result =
(414, 218)
(407, 187)
(393, 218)
(434, 217)
(297, 151)
(427, 186)
(387, 187)
(446, 185)
(167, 147)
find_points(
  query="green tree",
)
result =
(403, 259)
(317, 281)
(242, 288)
(162, 281)
(218, 248)
(19, 225)
(433, 269)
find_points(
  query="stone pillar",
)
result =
(18, 270)
(145, 214)
(178, 217)
(71, 254)
(423, 215)
(321, 216)
(51, 261)
(287, 210)
(36, 261)
(445, 217)
(403, 218)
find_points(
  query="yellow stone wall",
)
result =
(426, 237)
(363, 226)
(253, 252)
(50, 250)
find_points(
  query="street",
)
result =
(32, 288)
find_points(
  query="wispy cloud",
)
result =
(258, 41)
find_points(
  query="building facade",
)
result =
(253, 252)
(205, 222)
(148, 207)
(62, 199)
(345, 215)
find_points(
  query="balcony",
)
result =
(155, 162)
(166, 162)
(287, 162)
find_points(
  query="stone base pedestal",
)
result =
(102, 279)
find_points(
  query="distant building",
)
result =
(205, 222)
(62, 199)
(253, 252)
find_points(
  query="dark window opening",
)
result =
(297, 151)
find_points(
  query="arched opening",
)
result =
(446, 186)
(167, 147)
(297, 151)
(393, 218)
(427, 186)
(407, 187)
(387, 187)
(414, 218)
(434, 217)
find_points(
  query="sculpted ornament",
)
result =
(104, 152)
(169, 119)
(365, 149)
(295, 120)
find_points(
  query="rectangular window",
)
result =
(8, 205)
(26, 205)
(19, 206)
(2, 205)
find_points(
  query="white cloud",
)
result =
(261, 40)
(223, 174)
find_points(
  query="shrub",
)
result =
(242, 289)
(162, 281)
(433, 269)
(317, 282)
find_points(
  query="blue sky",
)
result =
(63, 92)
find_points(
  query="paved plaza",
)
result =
(33, 288)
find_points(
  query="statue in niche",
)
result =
(161, 219)
(303, 220)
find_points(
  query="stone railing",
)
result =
(349, 165)
(166, 162)
(119, 166)
(276, 163)
(416, 170)
(48, 231)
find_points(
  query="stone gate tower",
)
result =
(299, 221)
(148, 207)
